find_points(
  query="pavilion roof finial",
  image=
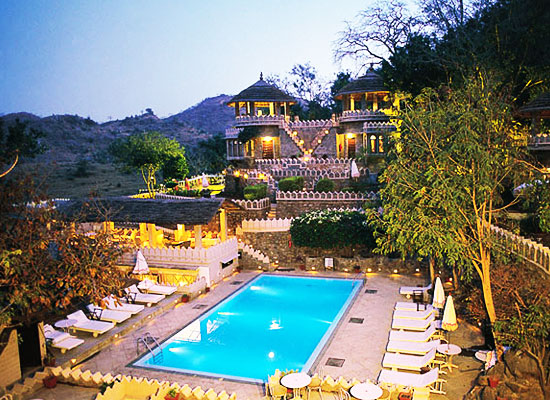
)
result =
(371, 66)
(261, 76)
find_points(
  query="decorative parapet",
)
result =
(258, 255)
(286, 162)
(266, 225)
(369, 127)
(316, 173)
(232, 133)
(320, 196)
(254, 204)
(247, 120)
(362, 115)
(184, 256)
(527, 249)
(541, 140)
(319, 123)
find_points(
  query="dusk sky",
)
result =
(112, 59)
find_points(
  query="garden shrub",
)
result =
(171, 184)
(324, 185)
(291, 184)
(255, 192)
(329, 229)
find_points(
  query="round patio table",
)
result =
(449, 350)
(366, 391)
(65, 324)
(296, 381)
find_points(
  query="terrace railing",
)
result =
(312, 196)
(247, 120)
(361, 115)
(529, 250)
(259, 204)
(266, 225)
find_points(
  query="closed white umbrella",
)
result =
(204, 182)
(439, 294)
(141, 264)
(354, 170)
(449, 322)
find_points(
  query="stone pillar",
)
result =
(223, 225)
(151, 235)
(198, 236)
(252, 108)
(351, 103)
(271, 108)
(142, 233)
(179, 235)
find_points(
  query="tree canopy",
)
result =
(17, 141)
(149, 153)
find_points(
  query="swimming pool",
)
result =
(273, 322)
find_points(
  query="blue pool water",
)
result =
(273, 322)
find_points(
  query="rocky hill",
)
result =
(69, 138)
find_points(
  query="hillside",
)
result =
(69, 138)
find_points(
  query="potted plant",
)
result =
(356, 268)
(49, 361)
(184, 298)
(239, 268)
(50, 382)
(172, 395)
(207, 289)
(494, 381)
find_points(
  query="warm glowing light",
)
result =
(259, 267)
(267, 139)
(245, 176)
(237, 173)
(306, 159)
(116, 335)
(319, 140)
(301, 141)
(395, 271)
(260, 176)
(326, 131)
(73, 360)
(369, 269)
(417, 270)
(345, 270)
(350, 135)
(271, 354)
(294, 133)
(313, 268)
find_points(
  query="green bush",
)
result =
(186, 193)
(329, 229)
(291, 184)
(324, 185)
(171, 184)
(255, 192)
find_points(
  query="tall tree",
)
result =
(149, 153)
(448, 166)
(19, 140)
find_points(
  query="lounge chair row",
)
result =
(102, 319)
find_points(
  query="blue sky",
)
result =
(115, 58)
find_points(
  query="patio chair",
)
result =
(275, 389)
(61, 340)
(104, 314)
(430, 379)
(112, 304)
(397, 361)
(315, 384)
(407, 347)
(412, 324)
(148, 286)
(135, 296)
(412, 314)
(329, 386)
(430, 333)
(86, 325)
(408, 306)
(409, 291)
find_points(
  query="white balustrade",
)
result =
(312, 196)
(260, 120)
(259, 204)
(266, 225)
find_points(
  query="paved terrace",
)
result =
(361, 346)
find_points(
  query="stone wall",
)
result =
(275, 245)
(288, 147)
(9, 360)
(294, 208)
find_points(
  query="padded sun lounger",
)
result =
(406, 347)
(409, 290)
(430, 379)
(412, 314)
(61, 340)
(149, 286)
(135, 296)
(410, 362)
(113, 304)
(86, 325)
(409, 306)
(103, 314)
(414, 336)
(412, 324)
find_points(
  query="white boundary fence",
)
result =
(527, 249)
(259, 204)
(313, 196)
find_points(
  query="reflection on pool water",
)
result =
(273, 322)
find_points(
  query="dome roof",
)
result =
(262, 91)
(370, 82)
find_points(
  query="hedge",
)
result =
(255, 192)
(324, 185)
(291, 184)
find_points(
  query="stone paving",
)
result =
(361, 346)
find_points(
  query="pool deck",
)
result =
(360, 345)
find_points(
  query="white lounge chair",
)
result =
(428, 334)
(430, 379)
(61, 340)
(148, 286)
(412, 324)
(86, 325)
(135, 296)
(104, 314)
(412, 314)
(410, 290)
(113, 304)
(405, 361)
(409, 306)
(407, 347)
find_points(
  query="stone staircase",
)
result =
(272, 211)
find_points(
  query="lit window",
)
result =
(373, 144)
